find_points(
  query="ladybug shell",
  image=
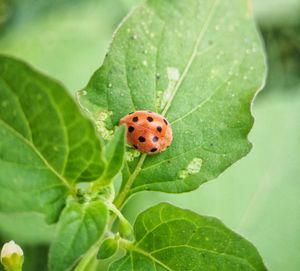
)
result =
(148, 132)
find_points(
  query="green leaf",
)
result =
(253, 193)
(80, 227)
(198, 62)
(114, 154)
(108, 248)
(170, 238)
(46, 145)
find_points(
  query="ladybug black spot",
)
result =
(130, 129)
(150, 119)
(153, 150)
(135, 119)
(165, 121)
(158, 128)
(135, 146)
(142, 139)
(155, 139)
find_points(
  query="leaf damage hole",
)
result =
(192, 168)
(163, 97)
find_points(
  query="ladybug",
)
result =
(147, 131)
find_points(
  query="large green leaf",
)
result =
(198, 62)
(170, 238)
(258, 190)
(80, 226)
(46, 145)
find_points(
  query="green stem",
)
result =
(89, 256)
(118, 204)
(124, 193)
(14, 269)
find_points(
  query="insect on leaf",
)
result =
(197, 62)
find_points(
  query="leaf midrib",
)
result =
(145, 253)
(61, 118)
(181, 79)
(193, 55)
(37, 152)
(33, 147)
(149, 255)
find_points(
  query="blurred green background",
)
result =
(259, 197)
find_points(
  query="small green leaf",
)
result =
(108, 248)
(46, 145)
(114, 153)
(200, 63)
(80, 227)
(172, 239)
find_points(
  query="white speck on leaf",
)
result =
(192, 168)
(159, 94)
(131, 154)
(173, 76)
(101, 125)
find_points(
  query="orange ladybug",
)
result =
(147, 131)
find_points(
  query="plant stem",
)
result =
(89, 256)
(92, 252)
(123, 194)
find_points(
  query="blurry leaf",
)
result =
(80, 226)
(283, 49)
(26, 228)
(4, 12)
(277, 12)
(170, 238)
(66, 39)
(114, 155)
(35, 258)
(209, 56)
(46, 145)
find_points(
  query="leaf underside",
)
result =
(214, 48)
(46, 145)
(172, 239)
